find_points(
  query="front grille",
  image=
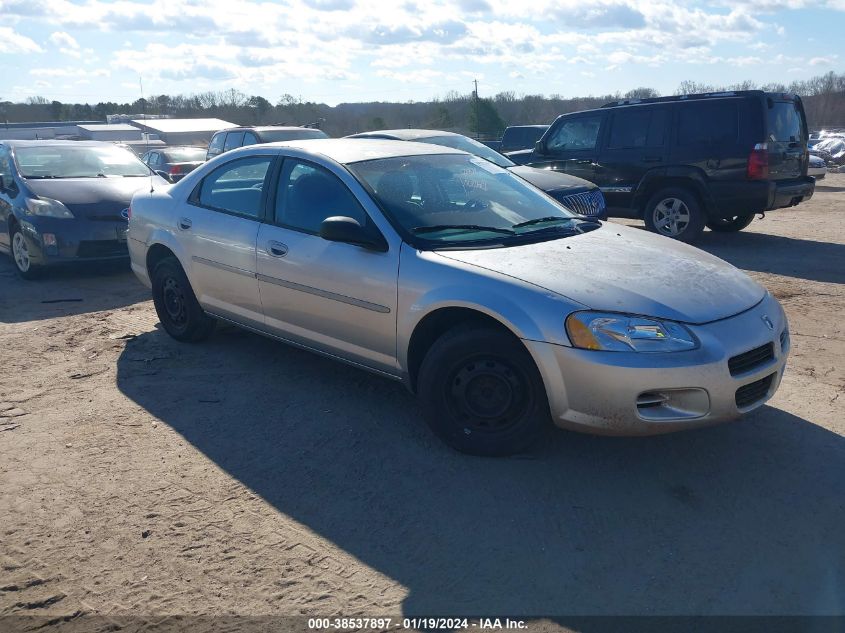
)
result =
(752, 359)
(753, 392)
(586, 203)
(102, 248)
(108, 218)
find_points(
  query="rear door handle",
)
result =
(185, 223)
(277, 249)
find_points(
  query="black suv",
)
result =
(683, 163)
(224, 140)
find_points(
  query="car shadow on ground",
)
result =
(67, 290)
(829, 188)
(791, 257)
(741, 518)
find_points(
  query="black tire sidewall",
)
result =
(697, 219)
(445, 356)
(736, 224)
(198, 324)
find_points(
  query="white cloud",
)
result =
(12, 42)
(60, 39)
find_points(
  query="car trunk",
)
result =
(786, 137)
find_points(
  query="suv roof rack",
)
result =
(704, 95)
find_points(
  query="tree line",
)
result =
(824, 102)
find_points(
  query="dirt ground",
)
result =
(240, 476)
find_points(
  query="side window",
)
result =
(237, 186)
(309, 194)
(154, 159)
(708, 123)
(250, 138)
(233, 140)
(635, 127)
(576, 134)
(216, 145)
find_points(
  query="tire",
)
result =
(481, 392)
(176, 305)
(730, 225)
(675, 213)
(21, 256)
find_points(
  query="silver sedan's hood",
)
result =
(622, 269)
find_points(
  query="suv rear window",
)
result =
(708, 123)
(784, 122)
(637, 128)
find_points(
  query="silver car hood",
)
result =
(623, 269)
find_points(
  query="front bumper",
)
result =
(80, 239)
(629, 393)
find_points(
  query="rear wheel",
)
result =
(22, 257)
(481, 392)
(730, 225)
(675, 213)
(176, 305)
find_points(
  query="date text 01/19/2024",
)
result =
(340, 624)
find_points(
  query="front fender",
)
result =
(429, 282)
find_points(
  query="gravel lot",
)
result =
(240, 476)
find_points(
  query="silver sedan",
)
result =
(500, 308)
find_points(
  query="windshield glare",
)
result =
(186, 154)
(60, 161)
(470, 146)
(455, 190)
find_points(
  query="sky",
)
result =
(335, 51)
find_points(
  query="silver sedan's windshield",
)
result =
(457, 197)
(82, 161)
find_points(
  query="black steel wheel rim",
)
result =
(175, 303)
(488, 395)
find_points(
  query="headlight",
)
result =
(48, 208)
(626, 333)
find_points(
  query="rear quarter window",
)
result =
(637, 128)
(708, 123)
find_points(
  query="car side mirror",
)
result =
(339, 228)
(7, 183)
(164, 175)
(540, 147)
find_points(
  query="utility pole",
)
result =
(475, 106)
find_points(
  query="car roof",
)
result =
(54, 142)
(265, 128)
(352, 150)
(403, 134)
(535, 125)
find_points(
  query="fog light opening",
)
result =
(48, 239)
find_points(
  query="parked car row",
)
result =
(493, 291)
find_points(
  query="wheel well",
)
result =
(155, 254)
(434, 325)
(13, 222)
(669, 183)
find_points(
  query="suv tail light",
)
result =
(758, 162)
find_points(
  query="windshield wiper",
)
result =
(463, 227)
(549, 218)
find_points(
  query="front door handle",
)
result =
(277, 249)
(185, 223)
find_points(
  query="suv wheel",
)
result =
(21, 256)
(675, 213)
(176, 305)
(481, 392)
(730, 225)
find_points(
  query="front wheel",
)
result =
(481, 392)
(730, 225)
(22, 257)
(675, 213)
(176, 305)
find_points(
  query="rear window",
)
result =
(708, 123)
(185, 154)
(784, 122)
(637, 128)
